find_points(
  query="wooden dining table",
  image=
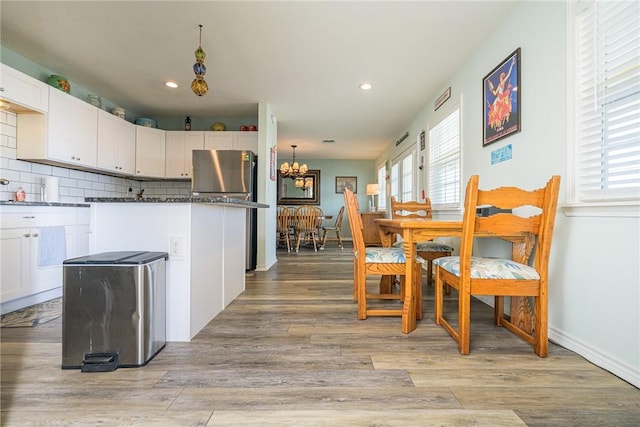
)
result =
(413, 230)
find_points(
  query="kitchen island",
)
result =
(205, 239)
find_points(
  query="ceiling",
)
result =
(305, 58)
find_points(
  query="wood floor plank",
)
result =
(407, 418)
(302, 398)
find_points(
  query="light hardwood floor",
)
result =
(290, 352)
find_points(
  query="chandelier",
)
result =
(199, 86)
(294, 170)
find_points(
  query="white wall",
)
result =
(594, 296)
(267, 188)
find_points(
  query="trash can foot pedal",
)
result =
(100, 362)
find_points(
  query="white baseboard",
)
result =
(9, 306)
(597, 357)
(592, 354)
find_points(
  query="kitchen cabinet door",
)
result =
(247, 141)
(23, 89)
(72, 136)
(15, 263)
(150, 152)
(179, 147)
(218, 140)
(116, 144)
(44, 277)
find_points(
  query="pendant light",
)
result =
(199, 86)
(294, 170)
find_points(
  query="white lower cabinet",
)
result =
(33, 242)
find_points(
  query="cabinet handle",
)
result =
(35, 234)
(27, 235)
(28, 217)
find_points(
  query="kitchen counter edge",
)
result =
(227, 201)
(51, 204)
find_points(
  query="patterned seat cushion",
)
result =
(490, 268)
(428, 246)
(386, 255)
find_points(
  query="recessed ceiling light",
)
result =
(171, 84)
(365, 86)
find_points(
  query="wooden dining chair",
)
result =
(378, 261)
(335, 228)
(472, 275)
(283, 226)
(428, 250)
(306, 225)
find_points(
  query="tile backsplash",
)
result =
(74, 185)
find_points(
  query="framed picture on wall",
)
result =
(350, 182)
(501, 100)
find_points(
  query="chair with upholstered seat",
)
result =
(428, 250)
(523, 277)
(335, 228)
(306, 225)
(378, 261)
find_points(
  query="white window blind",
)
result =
(444, 162)
(407, 178)
(607, 101)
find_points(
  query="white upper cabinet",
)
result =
(66, 135)
(150, 152)
(247, 141)
(180, 144)
(116, 144)
(23, 90)
(231, 140)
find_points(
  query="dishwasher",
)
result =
(113, 310)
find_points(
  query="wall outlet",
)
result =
(176, 247)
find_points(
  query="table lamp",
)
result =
(372, 190)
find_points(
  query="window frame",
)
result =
(576, 206)
(436, 120)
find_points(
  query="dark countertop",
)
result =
(217, 200)
(54, 204)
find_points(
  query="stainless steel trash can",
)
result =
(114, 303)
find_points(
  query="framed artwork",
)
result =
(350, 182)
(501, 100)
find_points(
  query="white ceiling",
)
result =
(305, 58)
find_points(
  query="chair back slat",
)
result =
(283, 219)
(338, 223)
(355, 221)
(502, 224)
(306, 218)
(410, 209)
(511, 197)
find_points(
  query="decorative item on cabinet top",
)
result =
(59, 82)
(146, 122)
(218, 127)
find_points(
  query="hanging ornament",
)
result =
(199, 86)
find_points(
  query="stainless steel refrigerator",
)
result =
(230, 173)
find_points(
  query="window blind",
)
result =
(444, 162)
(607, 100)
